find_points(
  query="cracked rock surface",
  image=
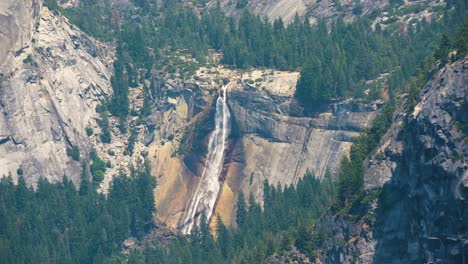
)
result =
(49, 91)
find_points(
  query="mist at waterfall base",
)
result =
(206, 193)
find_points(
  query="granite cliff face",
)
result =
(17, 19)
(54, 76)
(271, 138)
(313, 9)
(276, 142)
(422, 177)
(52, 79)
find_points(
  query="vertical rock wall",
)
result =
(17, 19)
(422, 177)
(49, 91)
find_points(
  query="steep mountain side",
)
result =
(180, 108)
(53, 83)
(50, 89)
(17, 19)
(276, 142)
(271, 138)
(420, 180)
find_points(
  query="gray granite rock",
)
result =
(420, 217)
(48, 96)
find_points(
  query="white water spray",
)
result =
(204, 197)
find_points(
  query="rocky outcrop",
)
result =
(290, 256)
(49, 91)
(179, 110)
(271, 138)
(17, 19)
(286, 9)
(313, 9)
(276, 142)
(348, 10)
(282, 145)
(428, 190)
(421, 174)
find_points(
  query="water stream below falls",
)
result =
(206, 193)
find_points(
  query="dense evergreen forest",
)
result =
(287, 219)
(289, 213)
(56, 223)
(59, 224)
(335, 59)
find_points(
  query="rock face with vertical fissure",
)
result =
(420, 216)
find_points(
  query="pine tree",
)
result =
(443, 50)
(241, 213)
(146, 184)
(224, 238)
(85, 186)
(22, 194)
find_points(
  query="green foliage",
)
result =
(58, 224)
(350, 178)
(119, 103)
(460, 42)
(351, 173)
(456, 46)
(241, 212)
(334, 62)
(286, 213)
(371, 196)
(146, 108)
(308, 240)
(311, 89)
(191, 141)
(224, 238)
(443, 50)
(241, 4)
(89, 131)
(396, 2)
(28, 59)
(74, 153)
(104, 124)
(131, 141)
(416, 8)
(92, 16)
(357, 10)
(98, 167)
(51, 4)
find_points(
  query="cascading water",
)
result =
(204, 197)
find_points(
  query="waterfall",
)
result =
(204, 197)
